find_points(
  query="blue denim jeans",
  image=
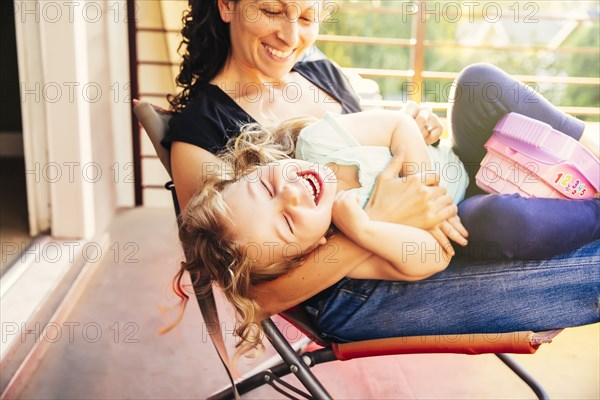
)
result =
(468, 297)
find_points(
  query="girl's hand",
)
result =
(347, 214)
(443, 240)
(429, 123)
(455, 230)
(415, 200)
(450, 229)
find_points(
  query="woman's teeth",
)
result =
(278, 53)
(312, 185)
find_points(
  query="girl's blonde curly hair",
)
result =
(212, 253)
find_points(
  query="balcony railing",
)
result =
(416, 72)
(422, 14)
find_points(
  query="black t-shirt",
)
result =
(212, 117)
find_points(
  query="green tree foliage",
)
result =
(455, 41)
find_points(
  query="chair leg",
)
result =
(524, 375)
(271, 374)
(295, 363)
(251, 382)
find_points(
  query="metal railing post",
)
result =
(417, 59)
(133, 79)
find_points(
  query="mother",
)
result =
(241, 65)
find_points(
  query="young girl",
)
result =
(267, 211)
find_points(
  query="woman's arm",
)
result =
(384, 270)
(413, 252)
(322, 268)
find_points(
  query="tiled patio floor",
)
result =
(109, 347)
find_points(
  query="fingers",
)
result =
(457, 224)
(411, 108)
(347, 197)
(441, 195)
(435, 133)
(448, 211)
(453, 233)
(430, 178)
(434, 129)
(394, 167)
(439, 206)
(443, 240)
(423, 118)
(428, 123)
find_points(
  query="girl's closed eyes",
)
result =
(270, 193)
(283, 216)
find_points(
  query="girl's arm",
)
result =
(390, 129)
(414, 253)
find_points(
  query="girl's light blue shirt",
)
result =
(326, 141)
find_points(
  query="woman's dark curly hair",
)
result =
(207, 44)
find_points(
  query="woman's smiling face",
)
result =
(270, 35)
(281, 210)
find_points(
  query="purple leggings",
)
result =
(512, 226)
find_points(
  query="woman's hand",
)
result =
(414, 200)
(412, 253)
(347, 214)
(429, 124)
